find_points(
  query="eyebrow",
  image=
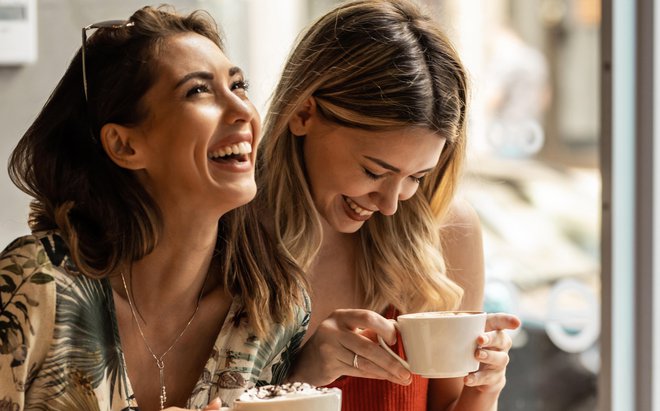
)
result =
(205, 75)
(235, 70)
(390, 167)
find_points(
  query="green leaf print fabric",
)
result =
(60, 346)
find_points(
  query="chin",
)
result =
(239, 196)
(348, 228)
(246, 197)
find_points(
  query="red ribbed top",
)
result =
(364, 394)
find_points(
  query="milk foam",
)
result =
(438, 314)
(284, 391)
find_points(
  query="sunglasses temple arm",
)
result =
(84, 68)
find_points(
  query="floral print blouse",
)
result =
(60, 347)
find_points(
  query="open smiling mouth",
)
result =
(357, 209)
(235, 152)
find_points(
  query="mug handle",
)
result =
(392, 353)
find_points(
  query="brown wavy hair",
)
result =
(105, 215)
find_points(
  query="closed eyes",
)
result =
(374, 176)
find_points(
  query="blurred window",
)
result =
(533, 177)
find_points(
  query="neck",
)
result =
(336, 247)
(177, 267)
(332, 240)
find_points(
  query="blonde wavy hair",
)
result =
(372, 65)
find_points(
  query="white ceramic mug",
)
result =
(439, 344)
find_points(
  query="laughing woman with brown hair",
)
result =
(137, 288)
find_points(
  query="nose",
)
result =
(387, 198)
(238, 109)
(392, 192)
(388, 206)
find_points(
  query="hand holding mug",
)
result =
(456, 344)
(493, 353)
(341, 345)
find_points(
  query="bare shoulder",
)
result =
(462, 248)
(461, 221)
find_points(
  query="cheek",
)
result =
(329, 183)
(206, 119)
(256, 132)
(331, 172)
(409, 189)
(256, 117)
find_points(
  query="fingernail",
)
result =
(482, 354)
(469, 379)
(405, 376)
(485, 340)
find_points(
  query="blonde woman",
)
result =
(133, 290)
(364, 144)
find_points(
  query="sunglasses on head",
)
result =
(108, 24)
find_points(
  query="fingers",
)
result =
(495, 340)
(494, 360)
(330, 352)
(486, 381)
(491, 374)
(502, 321)
(355, 319)
(368, 369)
(493, 354)
(214, 405)
(373, 359)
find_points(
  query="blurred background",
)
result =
(533, 172)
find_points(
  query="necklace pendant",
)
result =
(163, 397)
(163, 392)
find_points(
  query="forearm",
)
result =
(452, 394)
(472, 399)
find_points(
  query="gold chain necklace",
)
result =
(160, 363)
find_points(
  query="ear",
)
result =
(119, 143)
(299, 123)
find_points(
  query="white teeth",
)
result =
(361, 211)
(240, 148)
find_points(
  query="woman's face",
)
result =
(355, 173)
(200, 136)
